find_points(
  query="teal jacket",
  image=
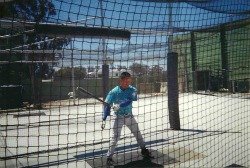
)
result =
(118, 96)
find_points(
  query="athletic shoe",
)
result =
(145, 153)
(110, 161)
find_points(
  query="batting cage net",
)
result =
(173, 74)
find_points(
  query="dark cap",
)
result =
(125, 75)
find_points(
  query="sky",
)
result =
(140, 14)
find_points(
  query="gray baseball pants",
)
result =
(132, 124)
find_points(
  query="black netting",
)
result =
(189, 60)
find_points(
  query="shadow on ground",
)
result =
(145, 162)
(134, 159)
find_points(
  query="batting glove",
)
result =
(116, 107)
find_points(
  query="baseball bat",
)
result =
(97, 98)
(92, 95)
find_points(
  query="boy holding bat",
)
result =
(121, 97)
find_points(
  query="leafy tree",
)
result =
(119, 67)
(139, 69)
(32, 10)
(36, 11)
(156, 72)
(66, 73)
(91, 69)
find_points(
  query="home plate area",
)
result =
(134, 158)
